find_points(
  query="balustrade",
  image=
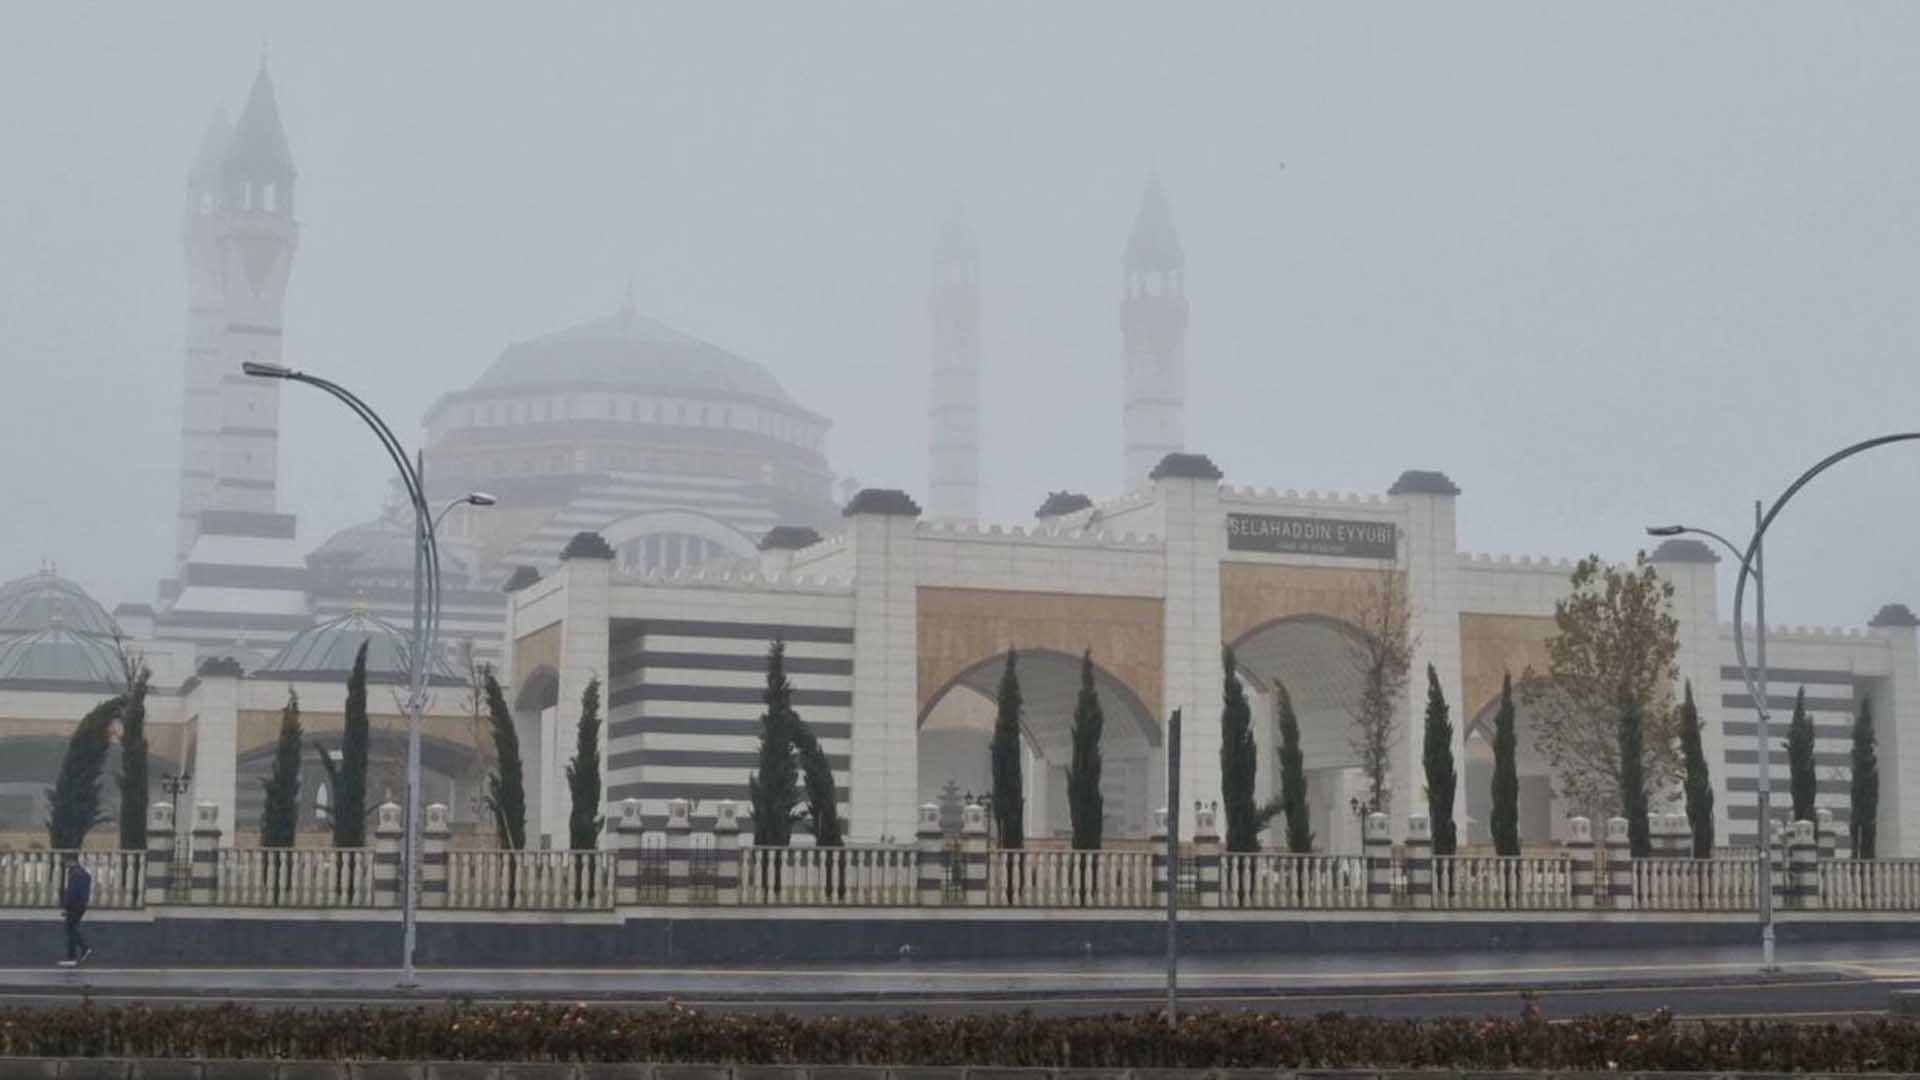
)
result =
(530, 880)
(1503, 882)
(1067, 879)
(851, 876)
(1299, 882)
(292, 877)
(30, 879)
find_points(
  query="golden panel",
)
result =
(536, 650)
(260, 729)
(958, 628)
(1255, 594)
(1492, 646)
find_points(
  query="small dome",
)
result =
(57, 658)
(43, 599)
(325, 654)
(379, 552)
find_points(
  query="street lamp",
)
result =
(1755, 676)
(1751, 567)
(426, 616)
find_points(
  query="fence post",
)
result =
(386, 857)
(1206, 857)
(206, 852)
(159, 870)
(973, 845)
(1824, 834)
(1158, 841)
(1420, 861)
(626, 859)
(1619, 864)
(1679, 837)
(726, 852)
(1804, 853)
(1777, 857)
(1584, 862)
(434, 836)
(930, 863)
(1378, 838)
(679, 840)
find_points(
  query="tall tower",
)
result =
(201, 241)
(953, 384)
(1153, 323)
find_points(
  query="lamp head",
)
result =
(480, 498)
(265, 371)
(1665, 530)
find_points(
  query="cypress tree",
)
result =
(774, 787)
(1633, 774)
(1437, 756)
(1699, 785)
(1505, 819)
(1800, 778)
(347, 780)
(506, 786)
(1293, 773)
(823, 801)
(585, 821)
(1009, 800)
(1239, 762)
(75, 798)
(280, 817)
(1863, 821)
(1084, 801)
(133, 759)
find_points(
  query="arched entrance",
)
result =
(536, 724)
(956, 727)
(1543, 813)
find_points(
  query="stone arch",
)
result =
(1543, 813)
(444, 766)
(694, 538)
(30, 765)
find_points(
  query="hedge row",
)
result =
(1202, 1040)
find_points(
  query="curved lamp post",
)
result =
(426, 618)
(1751, 567)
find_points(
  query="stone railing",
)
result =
(1684, 884)
(1067, 879)
(34, 879)
(530, 880)
(1306, 882)
(292, 877)
(1502, 883)
(850, 876)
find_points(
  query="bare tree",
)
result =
(1381, 655)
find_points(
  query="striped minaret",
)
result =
(953, 379)
(1153, 321)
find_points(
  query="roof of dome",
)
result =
(630, 351)
(57, 658)
(43, 599)
(324, 653)
(384, 545)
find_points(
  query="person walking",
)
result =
(73, 903)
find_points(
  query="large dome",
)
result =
(57, 658)
(324, 653)
(44, 599)
(628, 351)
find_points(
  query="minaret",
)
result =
(953, 382)
(1153, 322)
(201, 240)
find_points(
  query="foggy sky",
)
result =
(1603, 264)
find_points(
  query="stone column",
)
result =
(1194, 533)
(930, 857)
(679, 840)
(1777, 861)
(1896, 725)
(386, 856)
(1804, 857)
(1159, 842)
(159, 872)
(213, 707)
(1206, 856)
(1692, 567)
(1378, 839)
(586, 568)
(1584, 867)
(883, 797)
(1619, 864)
(1430, 557)
(205, 882)
(973, 842)
(1420, 861)
(1823, 834)
(726, 852)
(626, 866)
(435, 838)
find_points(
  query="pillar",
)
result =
(159, 870)
(1777, 864)
(1584, 863)
(1194, 531)
(1420, 861)
(1206, 856)
(626, 867)
(726, 852)
(1896, 726)
(1158, 841)
(214, 708)
(586, 569)
(884, 796)
(1823, 834)
(1430, 557)
(435, 838)
(930, 857)
(973, 845)
(1619, 865)
(679, 842)
(386, 857)
(1692, 567)
(1378, 838)
(1803, 855)
(205, 882)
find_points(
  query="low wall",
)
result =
(107, 1069)
(198, 937)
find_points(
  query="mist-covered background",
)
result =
(1605, 264)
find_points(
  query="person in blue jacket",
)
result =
(73, 902)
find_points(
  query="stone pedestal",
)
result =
(726, 852)
(1206, 857)
(1420, 861)
(435, 838)
(386, 856)
(679, 843)
(930, 858)
(1584, 859)
(159, 872)
(1619, 865)
(973, 844)
(1378, 838)
(205, 882)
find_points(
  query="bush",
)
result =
(1203, 1040)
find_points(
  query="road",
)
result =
(1812, 982)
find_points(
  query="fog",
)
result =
(1604, 264)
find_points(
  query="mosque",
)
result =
(667, 510)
